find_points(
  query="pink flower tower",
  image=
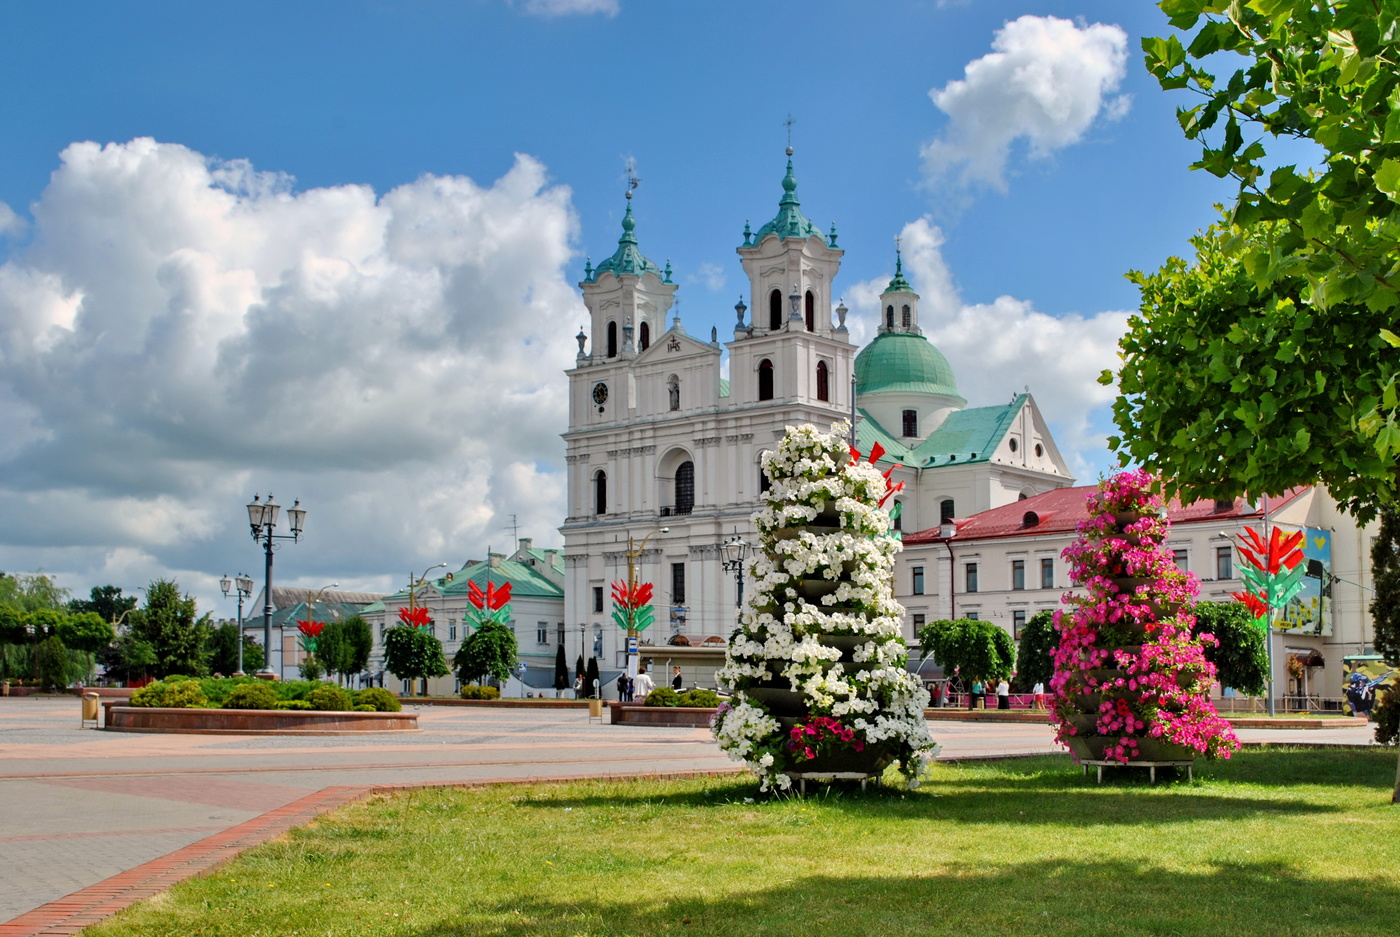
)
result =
(1132, 683)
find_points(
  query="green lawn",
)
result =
(1273, 843)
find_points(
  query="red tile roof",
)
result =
(1061, 510)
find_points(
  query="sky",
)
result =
(331, 249)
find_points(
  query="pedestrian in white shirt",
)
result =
(644, 685)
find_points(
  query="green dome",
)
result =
(903, 362)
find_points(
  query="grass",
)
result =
(1272, 843)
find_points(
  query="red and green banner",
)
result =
(416, 617)
(491, 605)
(1272, 571)
(632, 609)
(310, 631)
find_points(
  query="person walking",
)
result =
(1039, 691)
(976, 694)
(1003, 694)
(643, 683)
(622, 684)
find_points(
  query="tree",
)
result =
(592, 686)
(359, 643)
(1279, 332)
(579, 665)
(490, 651)
(1385, 571)
(1035, 653)
(106, 601)
(561, 670)
(168, 625)
(30, 592)
(411, 653)
(332, 650)
(51, 663)
(974, 649)
(86, 633)
(223, 651)
(1241, 660)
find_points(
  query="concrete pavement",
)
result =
(78, 806)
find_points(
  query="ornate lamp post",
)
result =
(735, 551)
(262, 518)
(632, 554)
(244, 584)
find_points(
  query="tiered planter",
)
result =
(1131, 682)
(818, 663)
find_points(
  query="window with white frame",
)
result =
(541, 632)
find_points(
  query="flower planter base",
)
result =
(1151, 767)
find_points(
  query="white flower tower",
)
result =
(817, 664)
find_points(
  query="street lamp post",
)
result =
(735, 551)
(633, 553)
(262, 518)
(244, 584)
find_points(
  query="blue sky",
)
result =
(347, 259)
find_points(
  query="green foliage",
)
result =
(1241, 660)
(490, 651)
(591, 684)
(330, 698)
(167, 624)
(364, 708)
(174, 692)
(480, 692)
(974, 649)
(51, 662)
(1034, 653)
(412, 653)
(378, 699)
(106, 602)
(14, 629)
(254, 695)
(703, 699)
(1386, 714)
(127, 658)
(88, 632)
(223, 651)
(310, 669)
(1385, 572)
(663, 696)
(1279, 333)
(359, 643)
(44, 623)
(296, 704)
(331, 648)
(30, 592)
(561, 670)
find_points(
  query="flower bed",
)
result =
(253, 721)
(1131, 681)
(818, 662)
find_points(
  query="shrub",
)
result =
(705, 699)
(293, 704)
(251, 696)
(152, 694)
(663, 696)
(480, 692)
(171, 693)
(365, 708)
(377, 699)
(1386, 713)
(329, 698)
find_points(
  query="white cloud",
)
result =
(571, 7)
(709, 275)
(1046, 82)
(181, 333)
(11, 225)
(998, 348)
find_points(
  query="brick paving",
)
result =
(93, 822)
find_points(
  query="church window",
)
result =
(1012, 443)
(889, 317)
(811, 306)
(600, 493)
(677, 583)
(945, 511)
(612, 339)
(685, 487)
(645, 336)
(898, 512)
(765, 380)
(673, 392)
(763, 482)
(775, 310)
(1039, 450)
(823, 381)
(905, 319)
(911, 423)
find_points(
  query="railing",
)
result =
(676, 510)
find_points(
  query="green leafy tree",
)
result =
(1241, 660)
(86, 633)
(359, 643)
(1034, 653)
(1385, 572)
(490, 651)
(223, 651)
(413, 654)
(30, 592)
(1269, 361)
(167, 623)
(561, 670)
(974, 649)
(332, 650)
(51, 663)
(106, 601)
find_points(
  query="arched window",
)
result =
(911, 423)
(645, 336)
(811, 311)
(898, 518)
(775, 310)
(685, 487)
(904, 319)
(945, 510)
(612, 339)
(673, 392)
(823, 382)
(600, 493)
(765, 380)
(764, 483)
(889, 317)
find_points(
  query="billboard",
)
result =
(1310, 611)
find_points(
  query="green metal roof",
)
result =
(898, 284)
(789, 222)
(904, 362)
(965, 436)
(724, 387)
(323, 611)
(627, 260)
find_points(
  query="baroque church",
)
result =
(663, 452)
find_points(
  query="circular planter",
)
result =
(1130, 584)
(254, 721)
(788, 703)
(845, 643)
(813, 589)
(873, 760)
(1150, 749)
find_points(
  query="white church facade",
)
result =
(663, 452)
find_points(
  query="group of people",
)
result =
(978, 694)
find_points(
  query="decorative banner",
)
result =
(1272, 571)
(632, 608)
(415, 617)
(310, 631)
(891, 488)
(1310, 611)
(491, 605)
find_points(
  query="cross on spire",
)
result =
(788, 124)
(632, 180)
